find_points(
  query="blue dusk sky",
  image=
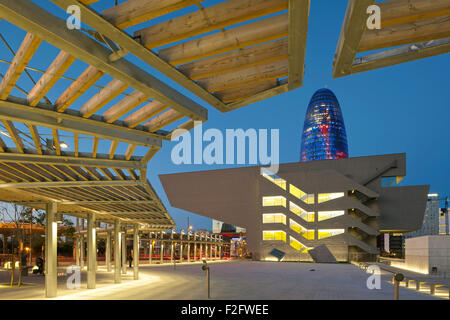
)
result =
(404, 108)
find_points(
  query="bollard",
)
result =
(205, 267)
(397, 279)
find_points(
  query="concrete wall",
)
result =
(424, 253)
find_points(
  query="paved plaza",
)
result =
(229, 280)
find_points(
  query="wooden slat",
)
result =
(87, 79)
(236, 60)
(255, 74)
(163, 120)
(401, 55)
(26, 51)
(22, 171)
(298, 33)
(107, 173)
(62, 172)
(76, 143)
(396, 35)
(228, 40)
(35, 135)
(60, 65)
(56, 141)
(260, 96)
(88, 2)
(14, 134)
(49, 171)
(351, 34)
(132, 12)
(94, 173)
(235, 94)
(103, 97)
(112, 149)
(143, 114)
(124, 106)
(2, 145)
(133, 174)
(120, 173)
(149, 155)
(403, 11)
(95, 147)
(129, 152)
(206, 20)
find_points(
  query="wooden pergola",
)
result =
(410, 30)
(229, 54)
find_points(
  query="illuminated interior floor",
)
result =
(232, 280)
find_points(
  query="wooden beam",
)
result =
(351, 34)
(50, 160)
(143, 114)
(124, 41)
(95, 147)
(26, 51)
(236, 94)
(129, 151)
(403, 11)
(76, 143)
(30, 17)
(236, 60)
(35, 135)
(87, 79)
(260, 96)
(103, 97)
(396, 35)
(401, 55)
(56, 141)
(60, 65)
(3, 147)
(228, 40)
(66, 184)
(14, 134)
(15, 109)
(298, 34)
(112, 149)
(163, 120)
(132, 12)
(208, 19)
(243, 77)
(150, 154)
(124, 106)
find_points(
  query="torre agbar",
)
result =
(324, 135)
(309, 211)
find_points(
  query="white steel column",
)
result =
(172, 246)
(136, 252)
(77, 243)
(91, 251)
(108, 251)
(124, 252)
(188, 248)
(82, 245)
(51, 272)
(150, 248)
(117, 254)
(162, 248)
(195, 246)
(181, 246)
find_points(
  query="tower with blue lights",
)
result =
(324, 135)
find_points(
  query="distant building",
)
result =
(430, 225)
(324, 136)
(337, 205)
(221, 227)
(444, 223)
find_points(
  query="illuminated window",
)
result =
(325, 215)
(273, 178)
(307, 216)
(306, 233)
(274, 201)
(306, 198)
(274, 218)
(326, 233)
(274, 235)
(297, 245)
(324, 197)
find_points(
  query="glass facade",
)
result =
(324, 135)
